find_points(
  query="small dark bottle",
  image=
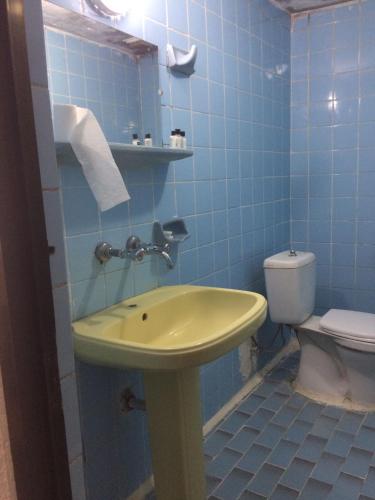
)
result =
(136, 141)
(183, 142)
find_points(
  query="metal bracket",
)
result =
(130, 402)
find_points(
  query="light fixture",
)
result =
(110, 8)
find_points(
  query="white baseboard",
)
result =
(146, 487)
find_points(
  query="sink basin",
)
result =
(169, 328)
(168, 333)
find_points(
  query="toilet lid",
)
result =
(350, 324)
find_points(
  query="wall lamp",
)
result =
(110, 8)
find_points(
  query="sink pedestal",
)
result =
(164, 333)
(175, 425)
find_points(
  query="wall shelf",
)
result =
(129, 155)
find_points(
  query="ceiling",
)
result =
(294, 6)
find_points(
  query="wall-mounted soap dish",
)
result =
(181, 60)
(173, 231)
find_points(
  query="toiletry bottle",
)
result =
(172, 140)
(148, 140)
(136, 141)
(183, 140)
(178, 138)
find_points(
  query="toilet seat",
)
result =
(351, 325)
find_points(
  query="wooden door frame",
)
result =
(28, 353)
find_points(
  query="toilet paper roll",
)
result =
(92, 151)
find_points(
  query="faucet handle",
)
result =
(139, 254)
(135, 248)
(133, 244)
(167, 247)
(103, 252)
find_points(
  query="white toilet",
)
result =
(337, 350)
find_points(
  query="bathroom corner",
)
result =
(196, 304)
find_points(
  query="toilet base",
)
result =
(345, 404)
(332, 373)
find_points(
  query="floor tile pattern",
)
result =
(280, 445)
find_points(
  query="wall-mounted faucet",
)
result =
(164, 236)
(134, 249)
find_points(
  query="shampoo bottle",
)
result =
(178, 138)
(148, 140)
(173, 140)
(183, 140)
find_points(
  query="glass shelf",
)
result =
(129, 155)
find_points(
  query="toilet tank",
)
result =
(290, 284)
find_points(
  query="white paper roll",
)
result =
(80, 127)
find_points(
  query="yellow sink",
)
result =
(168, 333)
(169, 328)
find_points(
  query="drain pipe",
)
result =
(130, 402)
(268, 348)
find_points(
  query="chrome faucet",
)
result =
(163, 251)
(134, 250)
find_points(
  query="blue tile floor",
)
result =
(280, 445)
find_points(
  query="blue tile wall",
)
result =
(122, 93)
(332, 151)
(233, 193)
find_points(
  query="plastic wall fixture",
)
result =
(127, 155)
(173, 231)
(180, 60)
